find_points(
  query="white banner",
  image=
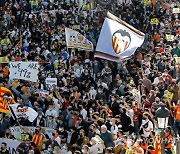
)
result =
(51, 83)
(11, 145)
(24, 112)
(117, 40)
(24, 70)
(76, 40)
(16, 131)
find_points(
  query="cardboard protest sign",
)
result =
(176, 10)
(4, 59)
(177, 59)
(169, 37)
(147, 2)
(51, 83)
(24, 70)
(154, 21)
(169, 95)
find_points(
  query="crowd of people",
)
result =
(98, 106)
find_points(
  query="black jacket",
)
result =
(4, 124)
(42, 122)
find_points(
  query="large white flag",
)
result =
(19, 111)
(118, 40)
(76, 40)
(24, 70)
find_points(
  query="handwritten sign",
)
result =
(51, 83)
(4, 60)
(154, 21)
(176, 10)
(147, 2)
(11, 145)
(169, 37)
(24, 70)
(169, 95)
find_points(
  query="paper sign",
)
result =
(17, 131)
(44, 93)
(177, 59)
(11, 145)
(169, 95)
(169, 37)
(51, 83)
(135, 92)
(24, 70)
(4, 60)
(154, 21)
(176, 10)
(76, 27)
(147, 2)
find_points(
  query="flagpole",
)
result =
(8, 98)
(111, 16)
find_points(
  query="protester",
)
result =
(97, 105)
(4, 149)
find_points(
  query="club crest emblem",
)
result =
(121, 40)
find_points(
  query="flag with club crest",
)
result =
(118, 40)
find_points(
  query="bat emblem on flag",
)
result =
(121, 40)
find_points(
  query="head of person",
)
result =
(82, 133)
(109, 150)
(150, 149)
(77, 152)
(103, 129)
(38, 130)
(173, 81)
(113, 121)
(51, 106)
(85, 149)
(61, 129)
(51, 118)
(73, 129)
(92, 127)
(145, 116)
(50, 148)
(157, 99)
(55, 132)
(93, 141)
(40, 112)
(56, 150)
(3, 146)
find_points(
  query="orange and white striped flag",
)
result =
(3, 102)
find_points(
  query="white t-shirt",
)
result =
(114, 129)
(83, 113)
(51, 113)
(150, 125)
